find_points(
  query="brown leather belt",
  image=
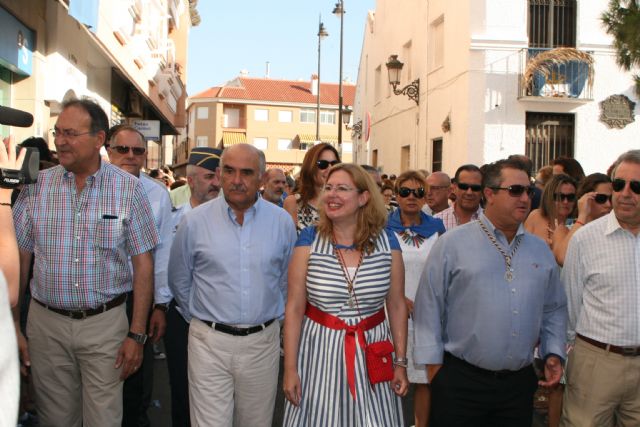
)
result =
(624, 351)
(83, 314)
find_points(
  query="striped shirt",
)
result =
(81, 242)
(448, 216)
(601, 275)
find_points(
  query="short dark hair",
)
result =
(115, 130)
(466, 168)
(590, 183)
(570, 166)
(492, 176)
(524, 159)
(99, 119)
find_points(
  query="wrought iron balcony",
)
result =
(564, 74)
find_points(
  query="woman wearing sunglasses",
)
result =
(417, 232)
(344, 354)
(302, 206)
(556, 207)
(594, 201)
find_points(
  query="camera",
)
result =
(28, 173)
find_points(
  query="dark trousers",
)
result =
(136, 394)
(463, 395)
(176, 346)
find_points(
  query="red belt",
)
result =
(333, 322)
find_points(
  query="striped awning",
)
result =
(233, 138)
(308, 138)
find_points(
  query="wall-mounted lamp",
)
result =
(356, 129)
(346, 116)
(412, 90)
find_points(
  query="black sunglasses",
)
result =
(570, 197)
(619, 184)
(323, 164)
(601, 199)
(517, 190)
(473, 187)
(417, 192)
(123, 149)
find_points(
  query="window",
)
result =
(261, 115)
(261, 143)
(202, 141)
(406, 57)
(327, 117)
(285, 116)
(231, 117)
(405, 158)
(437, 43)
(548, 135)
(377, 88)
(203, 113)
(284, 144)
(436, 155)
(552, 23)
(307, 116)
(374, 158)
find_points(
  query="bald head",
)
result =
(274, 183)
(438, 189)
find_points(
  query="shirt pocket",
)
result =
(109, 233)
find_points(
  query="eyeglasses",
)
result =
(123, 149)
(473, 187)
(619, 184)
(517, 190)
(601, 199)
(68, 133)
(340, 188)
(323, 164)
(569, 197)
(405, 192)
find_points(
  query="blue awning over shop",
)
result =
(16, 44)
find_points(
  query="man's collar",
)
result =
(482, 217)
(612, 223)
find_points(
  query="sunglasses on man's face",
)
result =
(619, 184)
(323, 164)
(517, 190)
(601, 199)
(123, 149)
(405, 192)
(569, 197)
(474, 187)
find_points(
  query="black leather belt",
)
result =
(448, 357)
(624, 351)
(242, 332)
(83, 314)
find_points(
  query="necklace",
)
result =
(411, 238)
(508, 275)
(345, 272)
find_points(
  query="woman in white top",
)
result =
(416, 232)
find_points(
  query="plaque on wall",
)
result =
(617, 111)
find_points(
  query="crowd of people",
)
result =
(476, 291)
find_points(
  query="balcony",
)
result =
(561, 75)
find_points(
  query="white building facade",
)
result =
(496, 77)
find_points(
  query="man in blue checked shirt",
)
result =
(489, 294)
(228, 268)
(82, 221)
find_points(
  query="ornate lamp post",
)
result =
(412, 90)
(322, 33)
(339, 10)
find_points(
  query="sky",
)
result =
(237, 35)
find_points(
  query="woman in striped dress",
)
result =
(340, 276)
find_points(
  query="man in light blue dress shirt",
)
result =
(127, 150)
(228, 267)
(489, 294)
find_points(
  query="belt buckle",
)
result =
(78, 315)
(630, 351)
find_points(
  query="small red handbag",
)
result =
(379, 361)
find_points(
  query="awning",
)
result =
(233, 138)
(308, 138)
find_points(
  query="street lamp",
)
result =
(322, 33)
(339, 10)
(412, 90)
(356, 129)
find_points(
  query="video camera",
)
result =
(28, 173)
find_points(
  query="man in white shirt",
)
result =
(602, 278)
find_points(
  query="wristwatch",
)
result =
(162, 307)
(139, 338)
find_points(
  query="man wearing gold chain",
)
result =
(489, 294)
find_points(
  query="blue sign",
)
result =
(17, 43)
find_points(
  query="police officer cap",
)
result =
(206, 157)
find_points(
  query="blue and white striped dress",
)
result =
(326, 400)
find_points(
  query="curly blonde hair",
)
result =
(371, 217)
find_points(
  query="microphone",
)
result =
(13, 117)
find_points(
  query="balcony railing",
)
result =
(561, 73)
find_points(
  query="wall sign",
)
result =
(617, 111)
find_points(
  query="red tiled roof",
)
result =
(245, 88)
